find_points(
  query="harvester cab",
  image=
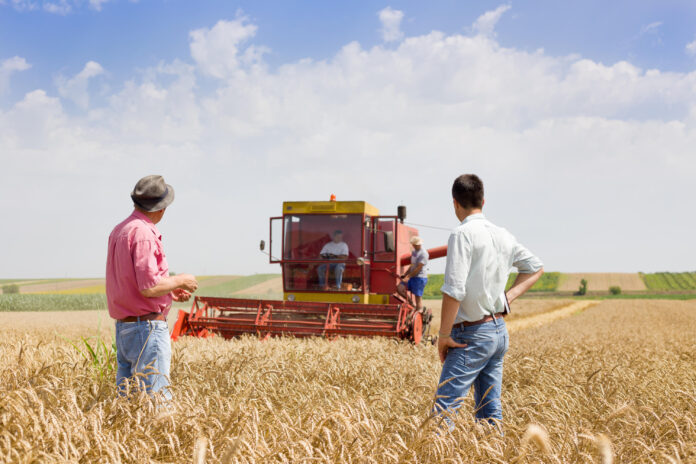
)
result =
(340, 263)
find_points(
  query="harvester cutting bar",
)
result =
(230, 317)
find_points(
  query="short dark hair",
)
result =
(337, 232)
(467, 190)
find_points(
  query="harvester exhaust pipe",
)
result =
(401, 213)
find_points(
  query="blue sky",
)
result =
(579, 116)
(125, 36)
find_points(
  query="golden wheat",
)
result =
(615, 383)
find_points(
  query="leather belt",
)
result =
(145, 317)
(480, 321)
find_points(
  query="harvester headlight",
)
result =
(356, 299)
(291, 297)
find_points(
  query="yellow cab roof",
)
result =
(329, 207)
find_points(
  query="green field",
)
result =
(547, 283)
(86, 301)
(236, 285)
(35, 302)
(666, 281)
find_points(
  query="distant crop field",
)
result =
(601, 281)
(547, 283)
(665, 281)
(235, 285)
(39, 302)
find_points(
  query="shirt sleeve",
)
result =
(146, 264)
(344, 249)
(457, 267)
(525, 261)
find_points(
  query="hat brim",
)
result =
(159, 204)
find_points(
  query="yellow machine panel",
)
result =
(325, 297)
(329, 207)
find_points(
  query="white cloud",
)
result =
(61, 7)
(573, 152)
(651, 28)
(76, 88)
(217, 50)
(9, 67)
(391, 24)
(21, 5)
(691, 48)
(97, 4)
(485, 24)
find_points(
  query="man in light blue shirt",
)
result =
(473, 338)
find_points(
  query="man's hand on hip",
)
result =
(444, 344)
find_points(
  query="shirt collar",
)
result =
(473, 217)
(139, 215)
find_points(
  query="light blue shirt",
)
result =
(480, 256)
(420, 257)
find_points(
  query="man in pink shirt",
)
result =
(140, 291)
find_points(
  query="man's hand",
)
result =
(187, 282)
(179, 294)
(444, 344)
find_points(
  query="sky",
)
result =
(580, 117)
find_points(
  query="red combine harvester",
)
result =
(325, 294)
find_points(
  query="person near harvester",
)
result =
(473, 338)
(416, 277)
(139, 290)
(335, 249)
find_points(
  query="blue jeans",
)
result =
(337, 268)
(479, 364)
(144, 348)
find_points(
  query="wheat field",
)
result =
(613, 383)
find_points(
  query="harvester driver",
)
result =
(416, 276)
(335, 249)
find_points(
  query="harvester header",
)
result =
(340, 263)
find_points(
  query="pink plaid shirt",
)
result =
(135, 262)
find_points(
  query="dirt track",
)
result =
(598, 281)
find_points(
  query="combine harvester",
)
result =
(367, 304)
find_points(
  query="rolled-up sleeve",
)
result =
(146, 264)
(457, 267)
(525, 261)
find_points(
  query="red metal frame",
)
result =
(270, 238)
(231, 317)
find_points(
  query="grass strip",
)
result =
(38, 302)
(236, 285)
(547, 283)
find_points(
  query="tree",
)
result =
(583, 287)
(11, 288)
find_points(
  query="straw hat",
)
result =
(416, 240)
